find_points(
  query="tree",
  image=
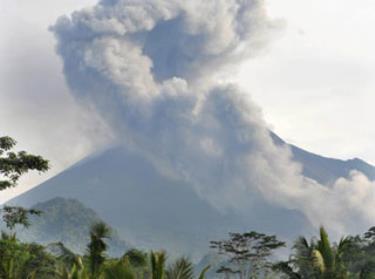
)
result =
(70, 265)
(13, 215)
(317, 259)
(181, 269)
(139, 262)
(137, 258)
(20, 260)
(97, 247)
(158, 260)
(360, 254)
(12, 166)
(247, 254)
(202, 274)
(119, 269)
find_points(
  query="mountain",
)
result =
(152, 211)
(326, 170)
(67, 221)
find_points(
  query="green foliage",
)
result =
(202, 274)
(18, 260)
(287, 270)
(97, 247)
(136, 258)
(119, 269)
(14, 164)
(15, 215)
(6, 143)
(158, 260)
(247, 254)
(352, 257)
(180, 269)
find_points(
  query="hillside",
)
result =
(69, 222)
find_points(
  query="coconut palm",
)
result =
(97, 247)
(202, 274)
(317, 259)
(327, 259)
(180, 269)
(158, 260)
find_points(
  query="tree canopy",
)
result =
(12, 166)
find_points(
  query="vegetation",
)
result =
(248, 255)
(12, 166)
(97, 247)
(351, 257)
(20, 260)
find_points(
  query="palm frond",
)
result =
(318, 261)
(325, 249)
(202, 274)
(158, 260)
(119, 270)
(181, 269)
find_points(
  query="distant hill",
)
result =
(67, 221)
(154, 212)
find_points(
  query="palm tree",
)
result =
(138, 261)
(158, 260)
(303, 258)
(202, 275)
(76, 271)
(180, 269)
(317, 259)
(119, 269)
(137, 258)
(97, 247)
(327, 259)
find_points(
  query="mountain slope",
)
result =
(326, 170)
(152, 211)
(69, 222)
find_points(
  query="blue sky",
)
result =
(315, 82)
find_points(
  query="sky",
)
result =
(314, 82)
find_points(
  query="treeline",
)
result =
(33, 261)
(242, 255)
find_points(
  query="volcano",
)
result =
(154, 212)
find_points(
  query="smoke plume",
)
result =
(149, 68)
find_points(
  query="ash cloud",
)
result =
(149, 67)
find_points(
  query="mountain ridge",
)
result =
(326, 170)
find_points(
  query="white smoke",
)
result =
(149, 67)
